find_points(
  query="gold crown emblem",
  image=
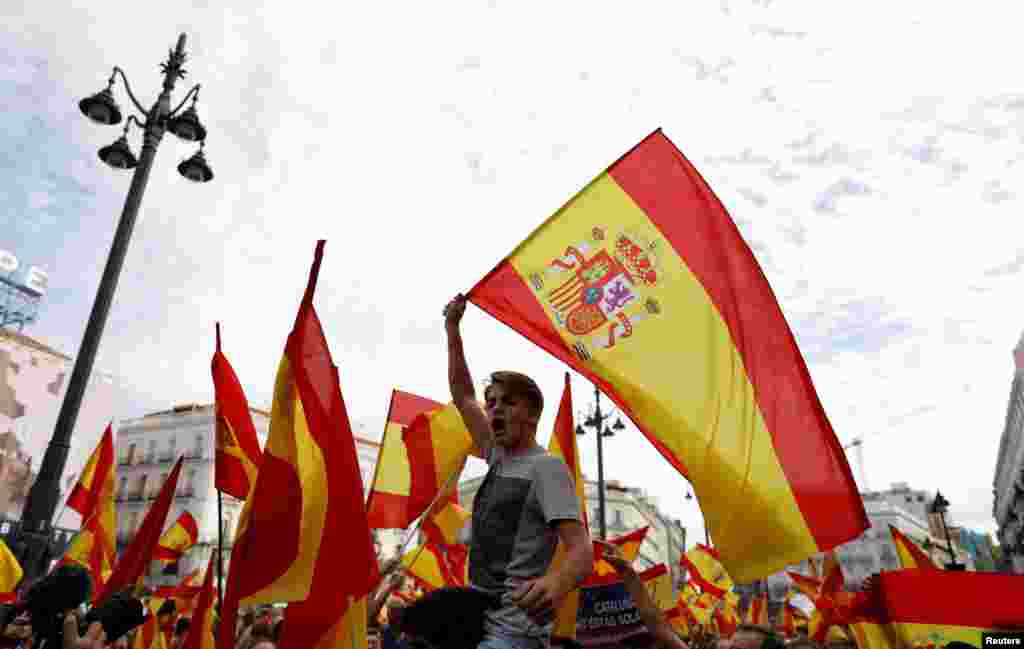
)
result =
(638, 259)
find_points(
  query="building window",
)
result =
(130, 458)
(190, 483)
(151, 454)
(619, 522)
(140, 490)
(163, 479)
(172, 448)
(197, 452)
(121, 489)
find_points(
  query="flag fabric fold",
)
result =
(238, 448)
(910, 555)
(643, 273)
(424, 447)
(178, 539)
(131, 566)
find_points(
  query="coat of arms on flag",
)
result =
(597, 289)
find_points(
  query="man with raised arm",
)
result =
(525, 505)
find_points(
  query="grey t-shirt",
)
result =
(513, 533)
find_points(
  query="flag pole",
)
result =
(426, 515)
(220, 549)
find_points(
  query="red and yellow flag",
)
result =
(434, 566)
(643, 273)
(629, 547)
(563, 446)
(910, 555)
(149, 636)
(133, 563)
(931, 608)
(757, 612)
(10, 574)
(809, 586)
(94, 547)
(444, 525)
(200, 631)
(425, 445)
(726, 620)
(705, 569)
(343, 566)
(178, 539)
(238, 448)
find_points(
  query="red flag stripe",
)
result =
(745, 309)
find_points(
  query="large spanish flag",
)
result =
(423, 450)
(10, 574)
(133, 563)
(910, 555)
(238, 448)
(177, 539)
(344, 567)
(643, 284)
(935, 607)
(563, 445)
(94, 547)
(704, 567)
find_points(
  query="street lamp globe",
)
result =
(119, 155)
(580, 431)
(101, 108)
(187, 126)
(196, 169)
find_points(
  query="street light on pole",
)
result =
(596, 421)
(32, 545)
(939, 506)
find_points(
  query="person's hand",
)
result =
(454, 311)
(94, 637)
(538, 597)
(613, 556)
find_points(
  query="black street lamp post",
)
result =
(596, 421)
(32, 545)
(939, 506)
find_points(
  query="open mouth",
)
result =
(498, 425)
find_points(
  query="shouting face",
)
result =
(513, 422)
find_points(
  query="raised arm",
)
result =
(461, 382)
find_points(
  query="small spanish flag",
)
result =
(425, 443)
(705, 569)
(910, 555)
(629, 547)
(177, 539)
(238, 448)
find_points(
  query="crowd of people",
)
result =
(525, 508)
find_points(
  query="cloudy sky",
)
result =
(866, 150)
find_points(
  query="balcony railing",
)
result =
(166, 457)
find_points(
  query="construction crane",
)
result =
(858, 442)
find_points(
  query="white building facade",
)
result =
(1008, 483)
(148, 447)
